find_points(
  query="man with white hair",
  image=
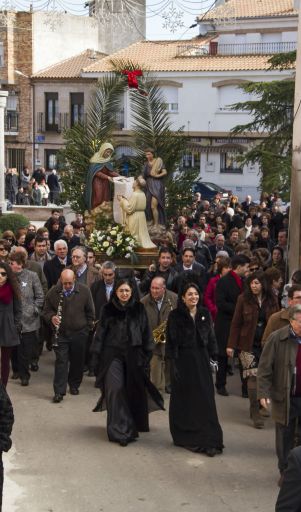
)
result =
(54, 267)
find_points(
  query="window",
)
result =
(15, 158)
(191, 159)
(51, 159)
(77, 108)
(229, 164)
(11, 114)
(1, 55)
(229, 94)
(171, 97)
(52, 111)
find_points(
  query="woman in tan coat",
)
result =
(253, 309)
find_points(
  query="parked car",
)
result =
(209, 190)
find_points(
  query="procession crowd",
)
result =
(219, 297)
(36, 188)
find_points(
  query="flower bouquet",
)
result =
(113, 242)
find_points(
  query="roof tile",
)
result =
(70, 68)
(251, 9)
(171, 56)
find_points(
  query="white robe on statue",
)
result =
(135, 220)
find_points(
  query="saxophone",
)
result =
(159, 333)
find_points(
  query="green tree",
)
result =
(271, 111)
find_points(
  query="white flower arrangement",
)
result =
(113, 242)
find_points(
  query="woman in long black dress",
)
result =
(190, 343)
(123, 344)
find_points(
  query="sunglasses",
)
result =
(3, 274)
(8, 239)
(3, 249)
(253, 269)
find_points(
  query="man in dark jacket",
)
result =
(102, 289)
(189, 269)
(228, 289)
(6, 425)
(69, 309)
(289, 498)
(164, 269)
(53, 268)
(54, 187)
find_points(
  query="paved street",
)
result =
(62, 461)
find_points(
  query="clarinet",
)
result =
(59, 315)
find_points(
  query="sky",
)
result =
(190, 9)
(158, 13)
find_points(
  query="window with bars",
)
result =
(229, 163)
(15, 158)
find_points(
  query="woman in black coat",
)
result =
(123, 344)
(10, 317)
(190, 343)
(6, 425)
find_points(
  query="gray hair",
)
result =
(294, 311)
(109, 265)
(60, 242)
(80, 248)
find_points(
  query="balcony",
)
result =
(216, 49)
(11, 123)
(63, 122)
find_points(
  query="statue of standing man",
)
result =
(153, 173)
(99, 177)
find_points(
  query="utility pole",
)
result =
(294, 257)
(3, 97)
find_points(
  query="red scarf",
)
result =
(237, 279)
(6, 293)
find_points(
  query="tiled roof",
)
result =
(251, 9)
(70, 68)
(176, 56)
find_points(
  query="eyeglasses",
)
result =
(3, 274)
(253, 269)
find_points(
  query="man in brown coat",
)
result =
(279, 379)
(158, 304)
(281, 318)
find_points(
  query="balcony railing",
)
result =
(255, 48)
(214, 48)
(11, 123)
(63, 122)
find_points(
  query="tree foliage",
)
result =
(271, 113)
